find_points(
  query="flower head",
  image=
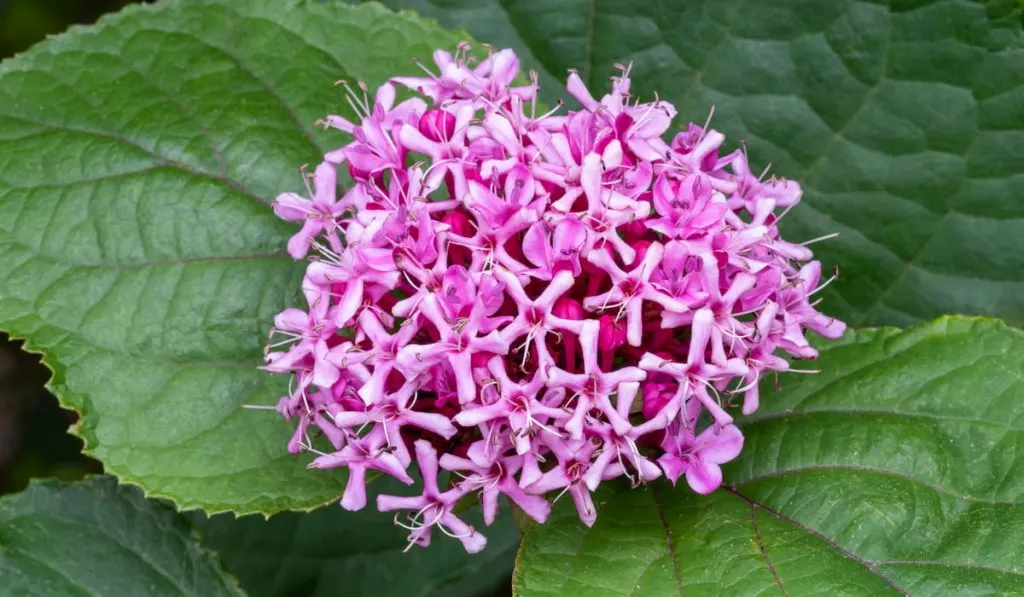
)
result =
(535, 303)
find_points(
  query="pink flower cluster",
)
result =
(547, 301)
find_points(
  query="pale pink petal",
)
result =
(704, 477)
(720, 445)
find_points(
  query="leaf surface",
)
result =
(96, 538)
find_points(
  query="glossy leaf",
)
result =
(904, 121)
(137, 247)
(898, 469)
(95, 538)
(331, 552)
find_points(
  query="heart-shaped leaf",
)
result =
(897, 469)
(138, 250)
(95, 538)
(904, 121)
(331, 552)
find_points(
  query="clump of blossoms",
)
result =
(534, 302)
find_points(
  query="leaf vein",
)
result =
(839, 548)
(764, 550)
(670, 541)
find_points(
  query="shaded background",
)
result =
(33, 438)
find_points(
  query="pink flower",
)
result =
(697, 377)
(433, 508)
(360, 454)
(495, 481)
(517, 405)
(550, 301)
(573, 462)
(319, 213)
(390, 413)
(555, 246)
(457, 344)
(630, 290)
(699, 457)
(592, 388)
(689, 207)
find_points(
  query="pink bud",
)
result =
(656, 396)
(633, 232)
(568, 308)
(437, 125)
(612, 333)
(459, 222)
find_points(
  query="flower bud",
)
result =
(568, 308)
(437, 125)
(612, 333)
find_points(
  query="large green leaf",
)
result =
(137, 247)
(95, 538)
(331, 552)
(904, 119)
(899, 468)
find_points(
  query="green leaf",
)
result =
(95, 538)
(137, 247)
(331, 552)
(897, 469)
(904, 120)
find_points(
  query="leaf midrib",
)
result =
(867, 565)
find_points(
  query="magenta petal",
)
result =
(595, 474)
(388, 503)
(292, 207)
(350, 418)
(704, 477)
(334, 435)
(489, 505)
(298, 245)
(590, 178)
(673, 466)
(426, 458)
(474, 416)
(463, 377)
(390, 464)
(325, 374)
(340, 123)
(373, 390)
(434, 422)
(751, 399)
(553, 479)
(471, 539)
(504, 67)
(354, 497)
(534, 506)
(350, 302)
(415, 358)
(325, 181)
(298, 438)
(535, 245)
(416, 141)
(292, 320)
(531, 472)
(578, 89)
(502, 131)
(584, 504)
(720, 445)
